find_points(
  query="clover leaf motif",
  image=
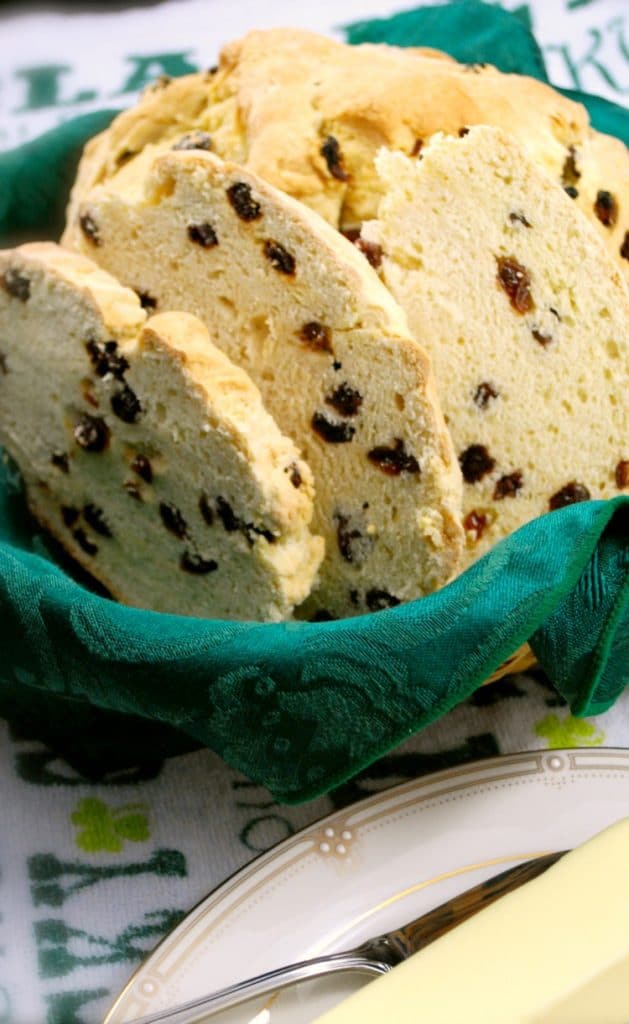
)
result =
(102, 828)
(569, 732)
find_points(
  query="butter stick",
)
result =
(555, 951)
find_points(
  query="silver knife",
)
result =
(374, 957)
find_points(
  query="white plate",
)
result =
(372, 866)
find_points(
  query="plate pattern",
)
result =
(378, 863)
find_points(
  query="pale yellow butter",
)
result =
(555, 951)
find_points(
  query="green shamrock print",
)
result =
(103, 828)
(571, 732)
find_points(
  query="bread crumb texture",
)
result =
(526, 319)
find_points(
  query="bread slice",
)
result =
(308, 114)
(526, 319)
(300, 309)
(144, 450)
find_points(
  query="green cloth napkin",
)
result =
(299, 707)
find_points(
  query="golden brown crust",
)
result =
(280, 95)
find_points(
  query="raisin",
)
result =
(516, 282)
(516, 217)
(316, 336)
(569, 495)
(508, 485)
(69, 515)
(393, 461)
(351, 234)
(624, 248)
(232, 522)
(89, 228)
(259, 531)
(483, 394)
(243, 202)
(378, 600)
(142, 466)
(476, 523)
(295, 476)
(194, 140)
(173, 519)
(133, 490)
(463, 132)
(227, 516)
(4, 369)
(345, 535)
(16, 284)
(147, 301)
(475, 463)
(544, 339)
(337, 366)
(331, 152)
(212, 70)
(196, 565)
(571, 191)
(203, 234)
(346, 400)
(570, 173)
(95, 518)
(333, 433)
(91, 433)
(371, 251)
(84, 542)
(606, 208)
(206, 510)
(279, 258)
(126, 405)
(106, 359)
(418, 145)
(323, 615)
(622, 474)
(60, 461)
(124, 157)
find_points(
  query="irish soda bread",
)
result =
(298, 307)
(308, 114)
(526, 319)
(144, 450)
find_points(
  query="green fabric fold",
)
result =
(468, 30)
(36, 178)
(299, 707)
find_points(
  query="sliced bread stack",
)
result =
(144, 450)
(300, 309)
(486, 235)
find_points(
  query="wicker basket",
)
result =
(519, 661)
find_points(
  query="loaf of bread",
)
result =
(302, 311)
(308, 115)
(144, 450)
(526, 319)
